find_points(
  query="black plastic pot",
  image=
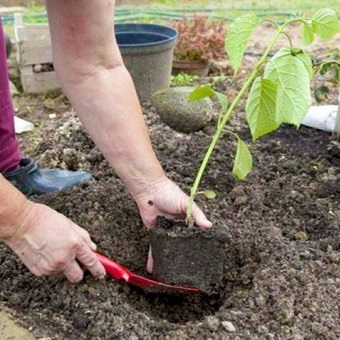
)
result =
(147, 51)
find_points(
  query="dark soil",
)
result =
(189, 257)
(282, 274)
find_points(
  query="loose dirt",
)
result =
(282, 274)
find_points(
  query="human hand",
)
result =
(48, 243)
(165, 198)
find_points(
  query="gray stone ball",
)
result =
(173, 106)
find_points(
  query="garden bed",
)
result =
(282, 276)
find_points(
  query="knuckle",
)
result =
(46, 268)
(60, 263)
(74, 243)
(90, 260)
(83, 249)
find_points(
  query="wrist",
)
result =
(14, 210)
(140, 177)
(22, 223)
(144, 189)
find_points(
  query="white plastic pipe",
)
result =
(322, 117)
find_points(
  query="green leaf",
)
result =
(307, 62)
(201, 92)
(243, 160)
(238, 36)
(293, 97)
(298, 53)
(261, 107)
(325, 23)
(222, 100)
(307, 34)
(210, 194)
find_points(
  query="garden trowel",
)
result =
(118, 272)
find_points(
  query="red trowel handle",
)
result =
(113, 268)
(118, 272)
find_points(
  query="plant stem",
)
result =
(221, 125)
(272, 22)
(289, 39)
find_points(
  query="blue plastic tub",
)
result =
(147, 51)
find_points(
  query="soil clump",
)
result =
(189, 257)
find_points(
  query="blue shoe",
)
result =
(31, 180)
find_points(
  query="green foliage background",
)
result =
(229, 8)
(301, 6)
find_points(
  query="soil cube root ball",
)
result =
(189, 257)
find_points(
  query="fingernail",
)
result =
(93, 246)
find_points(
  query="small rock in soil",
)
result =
(228, 326)
(301, 235)
(274, 232)
(212, 323)
(80, 322)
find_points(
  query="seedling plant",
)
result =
(327, 68)
(279, 87)
(184, 79)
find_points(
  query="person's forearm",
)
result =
(14, 207)
(107, 105)
(101, 90)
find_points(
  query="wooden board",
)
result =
(38, 82)
(31, 32)
(33, 44)
(34, 52)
